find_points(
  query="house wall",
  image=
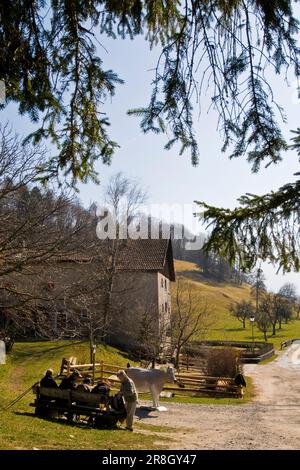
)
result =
(136, 295)
(138, 303)
(164, 302)
(148, 299)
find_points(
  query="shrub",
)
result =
(222, 362)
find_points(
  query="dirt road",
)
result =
(271, 421)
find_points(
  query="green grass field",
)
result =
(20, 429)
(219, 296)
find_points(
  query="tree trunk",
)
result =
(177, 357)
(274, 329)
(265, 335)
(91, 347)
(110, 272)
(244, 323)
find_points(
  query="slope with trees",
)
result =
(225, 326)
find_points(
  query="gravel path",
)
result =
(271, 421)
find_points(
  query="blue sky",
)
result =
(168, 177)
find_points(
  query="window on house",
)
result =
(162, 307)
(168, 331)
(162, 282)
(84, 315)
(165, 283)
(166, 306)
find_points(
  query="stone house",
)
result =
(140, 313)
(146, 315)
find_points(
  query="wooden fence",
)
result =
(288, 342)
(249, 352)
(191, 382)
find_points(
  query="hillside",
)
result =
(219, 296)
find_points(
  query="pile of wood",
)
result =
(192, 383)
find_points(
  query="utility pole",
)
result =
(257, 289)
(252, 320)
(94, 363)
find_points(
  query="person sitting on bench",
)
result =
(84, 386)
(48, 380)
(70, 383)
(101, 387)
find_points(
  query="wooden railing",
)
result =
(249, 351)
(288, 342)
(190, 382)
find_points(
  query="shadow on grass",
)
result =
(40, 352)
(74, 424)
(235, 330)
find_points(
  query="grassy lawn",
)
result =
(270, 359)
(20, 429)
(219, 296)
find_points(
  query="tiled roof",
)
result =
(136, 255)
(143, 255)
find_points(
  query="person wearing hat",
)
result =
(48, 380)
(130, 396)
(70, 382)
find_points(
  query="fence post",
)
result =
(94, 361)
(101, 370)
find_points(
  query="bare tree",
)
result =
(287, 300)
(242, 311)
(154, 336)
(191, 316)
(297, 307)
(272, 309)
(37, 225)
(268, 313)
(283, 307)
(123, 198)
(288, 290)
(42, 231)
(83, 302)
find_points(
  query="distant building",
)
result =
(70, 289)
(149, 266)
(140, 316)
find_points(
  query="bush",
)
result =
(222, 362)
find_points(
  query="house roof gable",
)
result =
(147, 255)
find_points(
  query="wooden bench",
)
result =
(72, 404)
